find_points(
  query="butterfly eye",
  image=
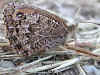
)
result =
(19, 14)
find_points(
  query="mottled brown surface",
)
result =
(31, 30)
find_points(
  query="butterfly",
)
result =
(31, 30)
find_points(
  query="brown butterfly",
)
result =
(32, 30)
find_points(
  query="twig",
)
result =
(30, 65)
(53, 52)
(22, 68)
(10, 56)
(67, 63)
(46, 67)
(82, 51)
(4, 44)
(82, 71)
